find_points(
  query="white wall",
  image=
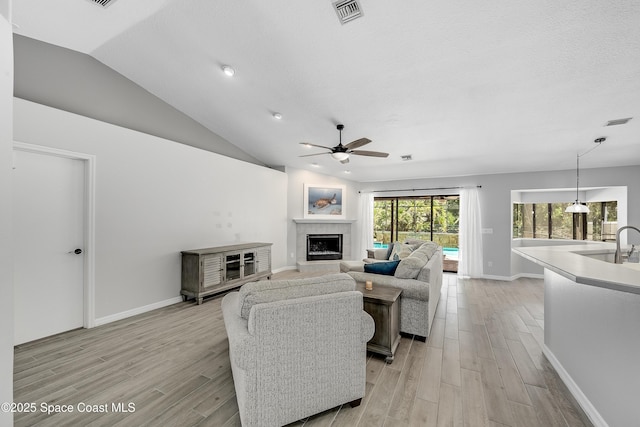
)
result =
(295, 208)
(495, 202)
(591, 338)
(6, 262)
(154, 198)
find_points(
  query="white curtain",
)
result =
(470, 262)
(366, 223)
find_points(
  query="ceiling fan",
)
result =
(342, 152)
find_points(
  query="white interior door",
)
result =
(48, 206)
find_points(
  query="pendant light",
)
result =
(578, 207)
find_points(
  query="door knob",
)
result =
(76, 251)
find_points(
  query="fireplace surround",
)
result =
(324, 247)
(305, 226)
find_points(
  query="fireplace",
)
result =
(324, 247)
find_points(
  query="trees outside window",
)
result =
(541, 214)
(383, 220)
(433, 218)
(561, 222)
(550, 221)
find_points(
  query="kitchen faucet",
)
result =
(618, 255)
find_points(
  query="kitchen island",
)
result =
(592, 327)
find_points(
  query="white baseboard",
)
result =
(593, 414)
(527, 276)
(285, 268)
(137, 310)
(510, 278)
(492, 277)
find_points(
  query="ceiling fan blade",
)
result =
(314, 154)
(345, 161)
(357, 143)
(308, 144)
(369, 153)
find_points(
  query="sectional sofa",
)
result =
(418, 274)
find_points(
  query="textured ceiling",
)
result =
(464, 87)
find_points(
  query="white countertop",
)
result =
(568, 261)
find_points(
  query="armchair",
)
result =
(296, 347)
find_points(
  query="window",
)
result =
(433, 218)
(561, 222)
(604, 221)
(550, 221)
(542, 218)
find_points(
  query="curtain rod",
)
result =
(420, 189)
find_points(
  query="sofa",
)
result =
(418, 274)
(297, 347)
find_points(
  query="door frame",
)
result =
(88, 231)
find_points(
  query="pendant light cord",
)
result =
(598, 141)
(578, 177)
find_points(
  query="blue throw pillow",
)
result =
(387, 268)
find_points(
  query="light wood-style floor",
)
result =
(481, 366)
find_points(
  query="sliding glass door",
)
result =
(414, 218)
(433, 218)
(446, 220)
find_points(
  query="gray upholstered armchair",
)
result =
(297, 347)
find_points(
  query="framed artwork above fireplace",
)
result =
(324, 201)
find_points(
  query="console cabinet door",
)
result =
(249, 264)
(211, 271)
(264, 259)
(232, 266)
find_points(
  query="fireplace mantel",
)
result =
(323, 221)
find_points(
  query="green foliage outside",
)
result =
(601, 221)
(414, 219)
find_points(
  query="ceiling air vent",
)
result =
(103, 3)
(347, 10)
(618, 121)
(406, 157)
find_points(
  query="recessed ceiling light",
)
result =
(315, 165)
(347, 171)
(228, 70)
(277, 116)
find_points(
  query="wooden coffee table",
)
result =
(382, 303)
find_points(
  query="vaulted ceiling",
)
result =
(465, 88)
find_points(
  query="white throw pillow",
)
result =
(400, 251)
